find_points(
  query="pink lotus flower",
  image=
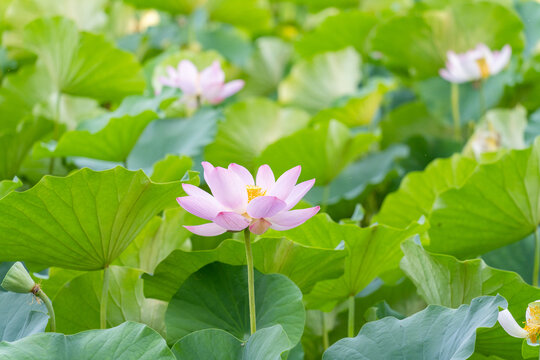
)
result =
(238, 201)
(475, 64)
(207, 86)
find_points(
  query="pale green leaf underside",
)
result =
(125, 342)
(434, 333)
(83, 221)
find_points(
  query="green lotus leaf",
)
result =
(255, 15)
(125, 342)
(175, 136)
(338, 32)
(195, 307)
(249, 127)
(159, 238)
(452, 333)
(15, 144)
(113, 142)
(20, 316)
(425, 37)
(498, 205)
(83, 221)
(172, 6)
(315, 84)
(323, 151)
(372, 251)
(359, 109)
(304, 265)
(267, 65)
(355, 178)
(86, 64)
(215, 344)
(126, 302)
(444, 280)
(171, 168)
(7, 186)
(410, 120)
(418, 190)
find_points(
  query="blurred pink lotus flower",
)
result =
(475, 64)
(207, 86)
(237, 201)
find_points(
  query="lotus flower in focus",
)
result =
(238, 201)
(531, 331)
(208, 86)
(475, 64)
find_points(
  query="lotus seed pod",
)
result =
(18, 279)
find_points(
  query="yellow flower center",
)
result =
(533, 323)
(254, 191)
(484, 68)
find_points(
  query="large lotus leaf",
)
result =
(314, 84)
(87, 15)
(16, 143)
(352, 181)
(215, 344)
(267, 65)
(195, 307)
(372, 251)
(338, 32)
(255, 15)
(516, 257)
(409, 120)
(452, 333)
(323, 151)
(111, 143)
(125, 342)
(444, 280)
(171, 168)
(418, 190)
(20, 316)
(235, 45)
(498, 205)
(305, 265)
(177, 136)
(7, 186)
(426, 37)
(161, 236)
(30, 92)
(529, 11)
(172, 6)
(83, 221)
(361, 108)
(20, 92)
(249, 127)
(126, 302)
(85, 64)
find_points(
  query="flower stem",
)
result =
(483, 107)
(326, 342)
(40, 294)
(351, 317)
(536, 267)
(454, 95)
(251, 281)
(104, 298)
(325, 197)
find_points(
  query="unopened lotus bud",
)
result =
(18, 279)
